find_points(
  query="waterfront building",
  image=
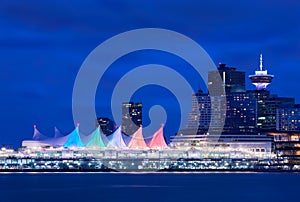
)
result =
(256, 144)
(131, 117)
(98, 141)
(287, 145)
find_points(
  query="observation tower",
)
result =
(261, 79)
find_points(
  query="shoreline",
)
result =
(192, 171)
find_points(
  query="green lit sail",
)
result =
(95, 140)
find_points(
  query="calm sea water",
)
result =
(143, 187)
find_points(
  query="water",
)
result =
(142, 187)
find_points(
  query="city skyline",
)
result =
(44, 44)
(130, 100)
(248, 112)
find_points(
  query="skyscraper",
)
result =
(200, 115)
(240, 112)
(131, 117)
(233, 81)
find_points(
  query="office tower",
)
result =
(261, 79)
(241, 114)
(267, 105)
(200, 115)
(131, 117)
(207, 112)
(107, 125)
(233, 80)
(288, 118)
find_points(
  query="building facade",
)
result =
(233, 80)
(288, 118)
(240, 113)
(107, 125)
(131, 117)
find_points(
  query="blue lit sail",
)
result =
(74, 139)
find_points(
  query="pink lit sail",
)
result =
(137, 141)
(158, 140)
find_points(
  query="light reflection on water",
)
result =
(149, 186)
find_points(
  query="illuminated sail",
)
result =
(74, 139)
(137, 141)
(117, 140)
(96, 141)
(57, 142)
(37, 135)
(158, 140)
(57, 133)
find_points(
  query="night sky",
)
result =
(43, 44)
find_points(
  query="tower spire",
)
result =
(261, 62)
(261, 79)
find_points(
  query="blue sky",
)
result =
(43, 44)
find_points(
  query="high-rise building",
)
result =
(267, 105)
(233, 80)
(288, 118)
(131, 117)
(107, 125)
(200, 115)
(206, 113)
(240, 112)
